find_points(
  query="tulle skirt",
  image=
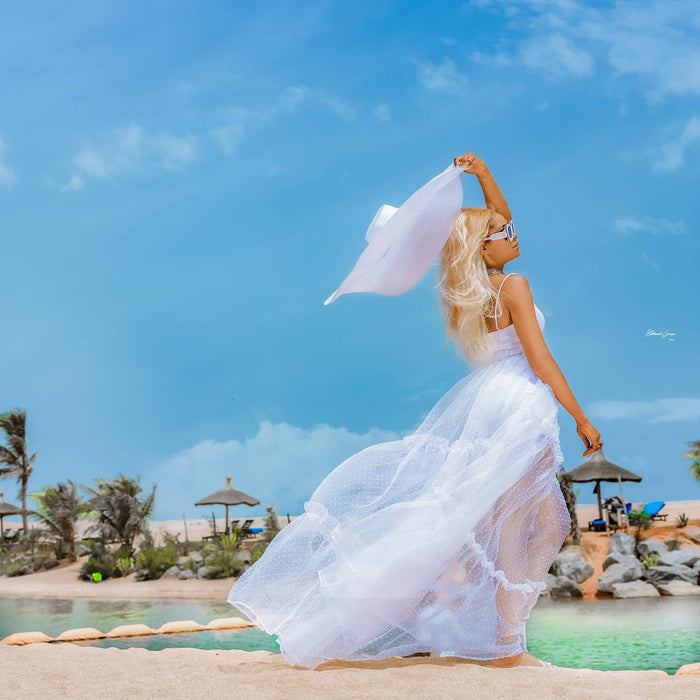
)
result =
(439, 542)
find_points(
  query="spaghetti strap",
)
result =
(495, 310)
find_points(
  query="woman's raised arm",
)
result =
(492, 192)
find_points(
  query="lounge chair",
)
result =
(245, 528)
(652, 510)
(597, 525)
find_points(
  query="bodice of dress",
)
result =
(506, 341)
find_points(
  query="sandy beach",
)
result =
(66, 670)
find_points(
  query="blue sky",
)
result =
(183, 184)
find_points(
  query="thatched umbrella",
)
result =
(6, 509)
(598, 469)
(228, 496)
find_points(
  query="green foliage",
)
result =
(191, 565)
(224, 562)
(14, 569)
(125, 564)
(15, 462)
(651, 559)
(641, 521)
(105, 566)
(153, 562)
(256, 551)
(124, 510)
(681, 520)
(58, 509)
(693, 454)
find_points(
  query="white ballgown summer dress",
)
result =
(439, 542)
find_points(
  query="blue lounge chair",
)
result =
(653, 509)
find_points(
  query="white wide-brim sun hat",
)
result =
(403, 242)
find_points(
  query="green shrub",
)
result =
(682, 520)
(256, 551)
(105, 566)
(15, 569)
(153, 562)
(125, 564)
(191, 565)
(651, 559)
(224, 564)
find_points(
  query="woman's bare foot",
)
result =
(524, 659)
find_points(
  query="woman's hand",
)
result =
(590, 436)
(474, 164)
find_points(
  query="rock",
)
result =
(563, 587)
(634, 589)
(685, 556)
(615, 558)
(209, 558)
(203, 571)
(50, 563)
(81, 550)
(650, 546)
(197, 558)
(243, 555)
(187, 573)
(678, 588)
(573, 565)
(630, 569)
(172, 572)
(663, 574)
(621, 543)
(692, 531)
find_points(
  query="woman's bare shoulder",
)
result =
(516, 288)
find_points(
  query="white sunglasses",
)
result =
(508, 231)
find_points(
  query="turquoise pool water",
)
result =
(606, 634)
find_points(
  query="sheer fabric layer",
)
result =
(437, 542)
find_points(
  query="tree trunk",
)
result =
(24, 506)
(73, 555)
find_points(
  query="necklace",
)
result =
(494, 271)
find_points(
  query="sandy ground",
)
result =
(66, 670)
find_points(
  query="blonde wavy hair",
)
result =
(465, 291)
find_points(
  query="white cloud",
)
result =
(646, 224)
(655, 42)
(238, 121)
(382, 112)
(281, 464)
(128, 150)
(443, 78)
(557, 57)
(654, 411)
(7, 175)
(671, 155)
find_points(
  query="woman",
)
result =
(438, 543)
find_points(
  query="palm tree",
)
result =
(693, 454)
(14, 455)
(570, 499)
(58, 509)
(123, 514)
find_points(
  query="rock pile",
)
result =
(630, 574)
(569, 569)
(196, 566)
